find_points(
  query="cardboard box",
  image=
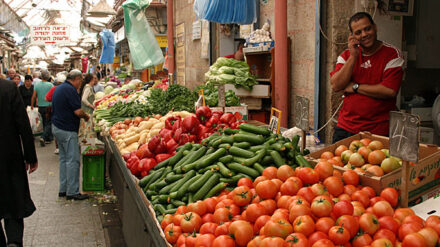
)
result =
(434, 193)
(258, 91)
(426, 135)
(252, 103)
(428, 207)
(243, 110)
(424, 176)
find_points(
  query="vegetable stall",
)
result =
(210, 179)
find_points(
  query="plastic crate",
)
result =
(93, 169)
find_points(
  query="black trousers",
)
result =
(14, 232)
(47, 123)
(340, 134)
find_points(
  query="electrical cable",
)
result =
(331, 118)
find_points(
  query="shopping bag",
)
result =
(144, 49)
(35, 120)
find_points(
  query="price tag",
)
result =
(202, 93)
(404, 136)
(275, 122)
(302, 113)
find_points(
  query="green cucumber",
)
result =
(302, 162)
(295, 141)
(186, 152)
(210, 151)
(160, 208)
(160, 185)
(162, 164)
(227, 139)
(166, 189)
(153, 177)
(258, 167)
(179, 155)
(213, 168)
(241, 152)
(208, 139)
(226, 159)
(212, 181)
(197, 145)
(173, 178)
(244, 145)
(225, 145)
(170, 206)
(243, 169)
(224, 170)
(278, 160)
(191, 162)
(253, 139)
(270, 141)
(256, 148)
(239, 160)
(163, 198)
(267, 160)
(229, 131)
(160, 178)
(199, 183)
(170, 211)
(213, 140)
(215, 190)
(227, 180)
(277, 146)
(288, 146)
(257, 158)
(246, 133)
(182, 190)
(185, 178)
(254, 129)
(211, 158)
(190, 198)
(150, 193)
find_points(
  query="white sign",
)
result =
(120, 34)
(197, 30)
(50, 34)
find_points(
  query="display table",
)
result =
(139, 226)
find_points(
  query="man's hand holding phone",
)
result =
(353, 46)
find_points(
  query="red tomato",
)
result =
(323, 243)
(350, 178)
(319, 190)
(349, 222)
(385, 233)
(324, 224)
(339, 235)
(270, 206)
(324, 170)
(334, 185)
(242, 232)
(167, 219)
(362, 197)
(430, 236)
(350, 189)
(241, 196)
(289, 187)
(375, 199)
(272, 242)
(198, 207)
(285, 172)
(298, 210)
(208, 228)
(370, 191)
(401, 213)
(255, 210)
(222, 215)
(304, 224)
(278, 183)
(296, 240)
(207, 218)
(223, 241)
(181, 241)
(256, 242)
(390, 195)
(383, 208)
(316, 236)
(178, 218)
(381, 242)
(389, 223)
(266, 189)
(413, 240)
(433, 221)
(344, 197)
(191, 222)
(172, 233)
(298, 200)
(408, 228)
(280, 215)
(205, 240)
(280, 228)
(343, 208)
(260, 222)
(270, 172)
(321, 208)
(297, 180)
(358, 208)
(210, 204)
(362, 240)
(222, 229)
(224, 203)
(283, 201)
(258, 180)
(306, 193)
(308, 175)
(413, 218)
(245, 182)
(181, 210)
(369, 223)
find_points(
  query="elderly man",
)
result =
(11, 74)
(36, 75)
(66, 117)
(44, 107)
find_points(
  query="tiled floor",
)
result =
(58, 222)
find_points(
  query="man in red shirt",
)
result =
(369, 73)
(238, 55)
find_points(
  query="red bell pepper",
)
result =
(203, 130)
(169, 122)
(184, 138)
(162, 157)
(192, 138)
(218, 114)
(153, 143)
(133, 164)
(190, 124)
(213, 121)
(144, 174)
(171, 145)
(144, 152)
(162, 147)
(228, 118)
(203, 114)
(126, 156)
(166, 134)
(147, 164)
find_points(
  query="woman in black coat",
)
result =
(15, 133)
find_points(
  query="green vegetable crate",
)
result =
(93, 169)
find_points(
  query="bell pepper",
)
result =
(161, 157)
(177, 134)
(218, 114)
(169, 122)
(203, 130)
(184, 138)
(190, 124)
(144, 152)
(228, 118)
(126, 156)
(166, 134)
(133, 164)
(192, 138)
(203, 113)
(162, 147)
(212, 122)
(153, 144)
(144, 174)
(171, 145)
(147, 164)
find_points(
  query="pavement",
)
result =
(58, 222)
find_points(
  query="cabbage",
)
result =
(108, 89)
(99, 95)
(116, 90)
(131, 85)
(125, 87)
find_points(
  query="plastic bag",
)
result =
(227, 11)
(35, 120)
(144, 49)
(108, 46)
(200, 7)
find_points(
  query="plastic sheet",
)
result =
(144, 49)
(108, 46)
(242, 12)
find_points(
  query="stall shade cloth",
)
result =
(227, 11)
(144, 49)
(108, 46)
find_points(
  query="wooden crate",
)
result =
(258, 91)
(252, 103)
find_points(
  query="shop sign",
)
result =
(50, 34)
(197, 30)
(180, 53)
(162, 41)
(120, 34)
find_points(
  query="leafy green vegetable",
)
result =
(230, 71)
(231, 99)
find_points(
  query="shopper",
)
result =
(87, 98)
(66, 116)
(18, 154)
(11, 74)
(369, 73)
(27, 90)
(44, 107)
(100, 74)
(127, 79)
(36, 75)
(16, 78)
(238, 55)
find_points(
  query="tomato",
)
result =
(324, 170)
(245, 182)
(181, 210)
(207, 218)
(413, 218)
(223, 241)
(350, 178)
(298, 210)
(334, 185)
(362, 197)
(278, 183)
(433, 221)
(270, 172)
(266, 189)
(304, 224)
(298, 200)
(255, 210)
(256, 242)
(401, 213)
(222, 215)
(390, 195)
(205, 240)
(198, 207)
(385, 233)
(190, 222)
(389, 223)
(349, 189)
(210, 204)
(324, 224)
(414, 240)
(358, 208)
(167, 219)
(314, 237)
(383, 208)
(191, 240)
(241, 196)
(327, 155)
(296, 240)
(321, 207)
(270, 206)
(181, 241)
(344, 197)
(222, 229)
(178, 218)
(430, 236)
(349, 222)
(224, 203)
(369, 223)
(408, 228)
(242, 232)
(343, 208)
(260, 222)
(297, 180)
(208, 228)
(319, 189)
(284, 172)
(283, 201)
(362, 240)
(172, 233)
(306, 193)
(279, 228)
(323, 243)
(308, 175)
(289, 187)
(370, 191)
(272, 242)
(259, 179)
(382, 242)
(376, 199)
(339, 235)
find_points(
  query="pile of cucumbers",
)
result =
(200, 171)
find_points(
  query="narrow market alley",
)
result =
(58, 222)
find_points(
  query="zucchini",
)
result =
(301, 161)
(278, 160)
(295, 141)
(211, 158)
(241, 152)
(208, 139)
(256, 148)
(224, 170)
(253, 139)
(215, 190)
(254, 129)
(170, 211)
(185, 178)
(226, 159)
(213, 168)
(257, 158)
(229, 131)
(277, 146)
(160, 208)
(225, 145)
(166, 189)
(173, 178)
(154, 176)
(258, 167)
(199, 183)
(244, 145)
(184, 188)
(243, 169)
(162, 164)
(212, 181)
